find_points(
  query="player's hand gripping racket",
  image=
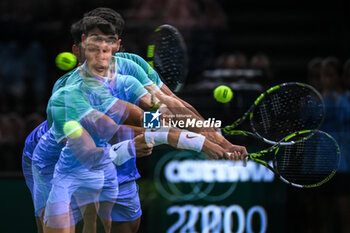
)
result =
(310, 160)
(280, 111)
(167, 54)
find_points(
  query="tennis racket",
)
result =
(167, 54)
(309, 160)
(280, 111)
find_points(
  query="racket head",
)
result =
(167, 54)
(310, 160)
(285, 109)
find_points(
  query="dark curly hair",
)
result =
(111, 16)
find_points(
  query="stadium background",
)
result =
(221, 35)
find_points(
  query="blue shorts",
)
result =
(85, 186)
(110, 190)
(81, 185)
(127, 206)
(40, 186)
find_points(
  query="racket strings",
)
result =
(308, 162)
(170, 57)
(266, 122)
(289, 109)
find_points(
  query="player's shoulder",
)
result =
(67, 92)
(69, 88)
(131, 56)
(121, 57)
(124, 64)
(63, 80)
(127, 55)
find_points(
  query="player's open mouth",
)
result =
(100, 69)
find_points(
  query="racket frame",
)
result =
(230, 129)
(152, 48)
(286, 141)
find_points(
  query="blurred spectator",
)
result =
(7, 145)
(237, 60)
(33, 58)
(261, 61)
(12, 67)
(5, 130)
(220, 62)
(314, 73)
(344, 118)
(337, 122)
(332, 91)
(346, 75)
(17, 129)
(147, 10)
(22, 77)
(13, 131)
(331, 82)
(183, 14)
(214, 15)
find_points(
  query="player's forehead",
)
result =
(96, 36)
(97, 32)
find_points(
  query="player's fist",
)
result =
(141, 147)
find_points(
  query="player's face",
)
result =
(98, 49)
(79, 52)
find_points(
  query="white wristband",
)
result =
(121, 152)
(158, 136)
(190, 141)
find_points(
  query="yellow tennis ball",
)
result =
(223, 94)
(72, 129)
(66, 61)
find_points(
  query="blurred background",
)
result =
(248, 45)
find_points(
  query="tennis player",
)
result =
(130, 77)
(70, 91)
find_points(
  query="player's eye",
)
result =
(91, 48)
(111, 40)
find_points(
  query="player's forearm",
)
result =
(212, 135)
(125, 132)
(135, 116)
(168, 92)
(86, 151)
(180, 113)
(123, 112)
(103, 127)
